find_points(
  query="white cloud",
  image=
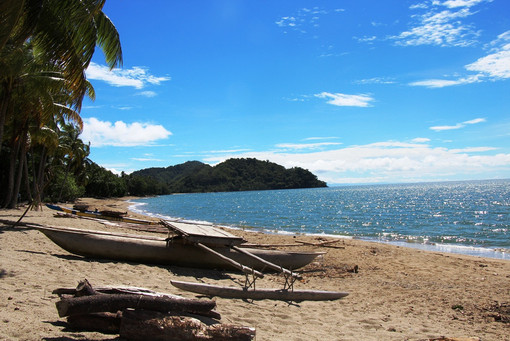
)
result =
(376, 80)
(388, 161)
(462, 3)
(475, 121)
(495, 65)
(343, 100)
(300, 146)
(441, 27)
(147, 94)
(420, 140)
(104, 133)
(458, 125)
(304, 19)
(441, 83)
(137, 77)
(321, 138)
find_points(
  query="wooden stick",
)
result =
(232, 262)
(268, 264)
(322, 244)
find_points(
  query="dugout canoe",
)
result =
(172, 251)
(258, 293)
(101, 215)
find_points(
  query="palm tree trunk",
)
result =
(65, 180)
(4, 104)
(10, 175)
(38, 181)
(19, 173)
(27, 178)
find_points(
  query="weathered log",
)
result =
(108, 323)
(144, 325)
(116, 302)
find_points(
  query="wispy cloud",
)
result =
(314, 138)
(463, 3)
(344, 100)
(492, 67)
(441, 83)
(137, 77)
(376, 80)
(304, 19)
(387, 161)
(441, 24)
(147, 94)
(302, 146)
(458, 125)
(104, 133)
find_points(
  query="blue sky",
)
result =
(364, 91)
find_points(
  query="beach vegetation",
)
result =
(45, 48)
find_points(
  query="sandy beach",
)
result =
(398, 293)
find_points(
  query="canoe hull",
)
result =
(259, 294)
(153, 250)
(98, 215)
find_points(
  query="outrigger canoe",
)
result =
(100, 215)
(166, 251)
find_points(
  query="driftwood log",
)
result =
(144, 325)
(113, 303)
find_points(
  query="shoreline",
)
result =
(399, 293)
(475, 251)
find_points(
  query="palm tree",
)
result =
(64, 33)
(41, 98)
(75, 150)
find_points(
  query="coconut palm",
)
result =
(64, 33)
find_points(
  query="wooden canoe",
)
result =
(157, 250)
(107, 215)
(259, 294)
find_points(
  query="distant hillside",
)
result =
(229, 176)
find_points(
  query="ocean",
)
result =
(467, 217)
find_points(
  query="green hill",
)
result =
(229, 176)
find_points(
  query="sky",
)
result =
(357, 92)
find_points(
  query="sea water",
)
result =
(470, 217)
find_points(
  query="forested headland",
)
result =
(229, 176)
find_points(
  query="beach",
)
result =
(398, 293)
